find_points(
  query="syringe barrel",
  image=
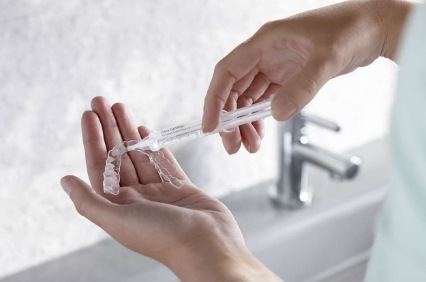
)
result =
(183, 132)
(237, 121)
(229, 120)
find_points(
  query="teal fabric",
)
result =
(399, 252)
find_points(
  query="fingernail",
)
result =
(66, 185)
(204, 127)
(205, 130)
(204, 122)
(284, 107)
(261, 132)
(228, 131)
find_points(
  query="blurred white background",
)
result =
(156, 56)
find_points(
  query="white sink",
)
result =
(325, 242)
(329, 241)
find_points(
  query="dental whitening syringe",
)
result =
(228, 120)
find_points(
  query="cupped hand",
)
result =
(291, 58)
(176, 226)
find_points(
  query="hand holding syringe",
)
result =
(184, 132)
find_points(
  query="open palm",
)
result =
(148, 216)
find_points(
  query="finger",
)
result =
(241, 85)
(95, 152)
(145, 171)
(232, 139)
(254, 142)
(273, 88)
(250, 138)
(229, 70)
(94, 149)
(165, 192)
(300, 89)
(259, 126)
(113, 137)
(167, 159)
(143, 131)
(91, 205)
(257, 88)
(249, 134)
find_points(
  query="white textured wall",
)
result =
(157, 56)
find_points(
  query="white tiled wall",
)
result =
(158, 57)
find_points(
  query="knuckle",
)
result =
(267, 27)
(231, 102)
(246, 44)
(96, 164)
(81, 208)
(220, 65)
(332, 56)
(244, 101)
(263, 78)
(310, 85)
(235, 94)
(215, 98)
(336, 53)
(222, 69)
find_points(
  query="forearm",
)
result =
(392, 16)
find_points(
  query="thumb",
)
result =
(299, 90)
(89, 204)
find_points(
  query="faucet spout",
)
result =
(339, 166)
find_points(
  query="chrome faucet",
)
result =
(292, 190)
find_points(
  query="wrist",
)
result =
(392, 17)
(219, 260)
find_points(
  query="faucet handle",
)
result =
(321, 122)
